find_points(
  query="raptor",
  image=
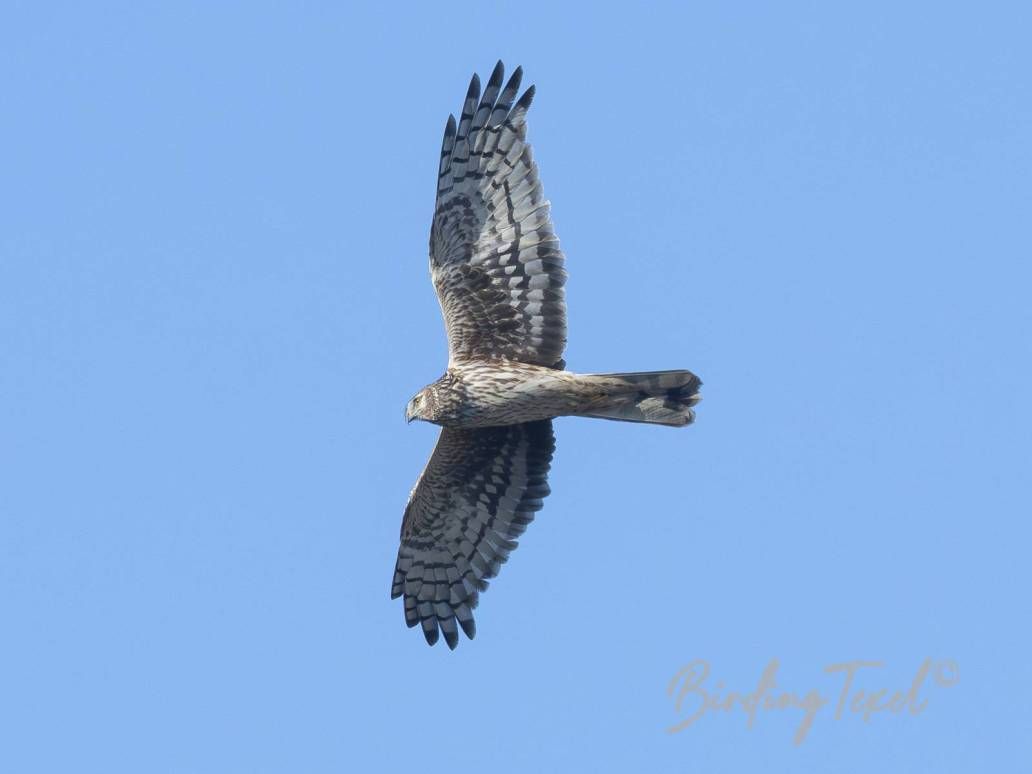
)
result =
(498, 271)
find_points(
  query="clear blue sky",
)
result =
(214, 305)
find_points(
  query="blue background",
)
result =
(214, 305)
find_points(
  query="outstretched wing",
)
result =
(477, 494)
(494, 256)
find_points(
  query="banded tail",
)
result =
(655, 397)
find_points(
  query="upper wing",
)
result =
(479, 491)
(494, 256)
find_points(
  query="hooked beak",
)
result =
(408, 414)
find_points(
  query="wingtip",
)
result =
(513, 84)
(528, 97)
(497, 73)
(430, 631)
(447, 143)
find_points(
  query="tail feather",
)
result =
(653, 397)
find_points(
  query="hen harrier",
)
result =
(498, 271)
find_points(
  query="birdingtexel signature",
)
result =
(692, 700)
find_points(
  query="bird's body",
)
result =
(505, 392)
(499, 274)
(486, 394)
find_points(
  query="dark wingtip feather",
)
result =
(430, 630)
(447, 145)
(451, 637)
(496, 75)
(526, 99)
(411, 616)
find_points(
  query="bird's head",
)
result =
(422, 406)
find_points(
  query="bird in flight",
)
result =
(498, 271)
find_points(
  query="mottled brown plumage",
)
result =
(498, 271)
